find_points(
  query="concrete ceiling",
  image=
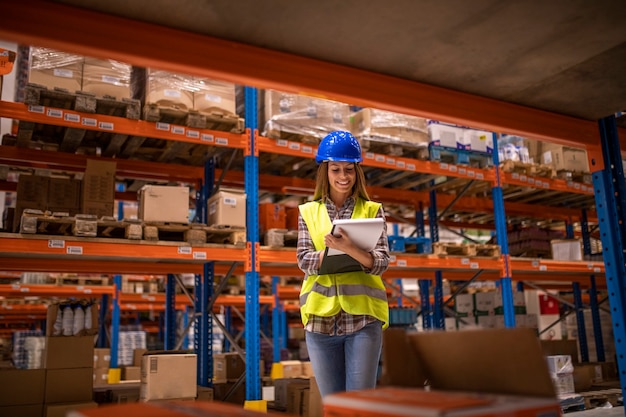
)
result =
(564, 56)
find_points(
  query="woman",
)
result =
(343, 314)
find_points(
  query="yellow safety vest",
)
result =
(356, 293)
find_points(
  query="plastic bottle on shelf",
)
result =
(88, 318)
(57, 327)
(79, 319)
(68, 320)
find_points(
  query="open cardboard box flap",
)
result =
(498, 361)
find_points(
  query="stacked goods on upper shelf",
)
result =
(203, 102)
(536, 158)
(102, 77)
(391, 133)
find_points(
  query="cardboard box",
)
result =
(563, 158)
(479, 140)
(55, 69)
(204, 393)
(64, 194)
(64, 352)
(69, 385)
(291, 369)
(291, 215)
(168, 376)
(169, 409)
(316, 408)
(567, 249)
(22, 387)
(214, 97)
(131, 373)
(106, 77)
(61, 410)
(168, 89)
(441, 358)
(282, 387)
(447, 136)
(30, 410)
(227, 208)
(389, 127)
(164, 204)
(138, 355)
(101, 357)
(99, 182)
(100, 377)
(396, 401)
(272, 216)
(32, 192)
(227, 366)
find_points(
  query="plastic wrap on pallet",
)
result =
(214, 97)
(55, 69)
(388, 127)
(168, 89)
(447, 135)
(303, 115)
(106, 77)
(517, 149)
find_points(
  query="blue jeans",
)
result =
(346, 363)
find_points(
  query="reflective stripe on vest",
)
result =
(356, 293)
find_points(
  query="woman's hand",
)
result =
(342, 242)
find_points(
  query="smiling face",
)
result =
(341, 178)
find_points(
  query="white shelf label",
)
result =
(163, 126)
(369, 155)
(193, 134)
(410, 167)
(474, 265)
(480, 176)
(453, 168)
(71, 117)
(178, 130)
(282, 142)
(184, 250)
(402, 262)
(465, 261)
(400, 164)
(56, 244)
(379, 158)
(199, 255)
(88, 121)
(307, 149)
(462, 171)
(74, 250)
(543, 268)
(205, 137)
(56, 113)
(515, 176)
(221, 141)
(106, 126)
(294, 146)
(471, 174)
(390, 161)
(37, 109)
(392, 258)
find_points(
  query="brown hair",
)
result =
(322, 185)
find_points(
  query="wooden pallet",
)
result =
(575, 176)
(460, 157)
(532, 170)
(594, 399)
(73, 279)
(454, 249)
(279, 238)
(80, 225)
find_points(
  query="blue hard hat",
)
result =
(339, 146)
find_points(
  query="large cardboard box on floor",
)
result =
(162, 203)
(21, 387)
(171, 409)
(496, 371)
(167, 376)
(64, 352)
(227, 208)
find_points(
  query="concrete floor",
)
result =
(599, 412)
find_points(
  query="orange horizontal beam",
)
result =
(139, 43)
(14, 156)
(70, 248)
(45, 290)
(302, 150)
(105, 123)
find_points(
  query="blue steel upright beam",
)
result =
(203, 290)
(114, 371)
(610, 196)
(595, 319)
(580, 323)
(276, 332)
(437, 319)
(102, 323)
(506, 285)
(252, 331)
(169, 341)
(427, 317)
